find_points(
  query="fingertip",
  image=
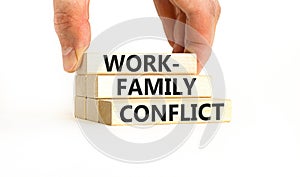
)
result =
(199, 68)
(199, 63)
(69, 59)
(69, 71)
(79, 55)
(72, 59)
(178, 48)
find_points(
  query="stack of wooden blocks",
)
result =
(130, 89)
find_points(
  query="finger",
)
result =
(73, 30)
(202, 50)
(179, 32)
(167, 14)
(202, 17)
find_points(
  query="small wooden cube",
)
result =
(80, 107)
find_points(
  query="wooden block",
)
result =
(80, 107)
(107, 86)
(158, 111)
(171, 64)
(92, 110)
(80, 85)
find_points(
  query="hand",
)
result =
(200, 17)
(71, 20)
(73, 28)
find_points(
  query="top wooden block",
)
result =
(132, 64)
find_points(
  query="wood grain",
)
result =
(80, 85)
(80, 107)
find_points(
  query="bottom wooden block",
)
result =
(80, 107)
(157, 111)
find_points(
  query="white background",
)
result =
(257, 43)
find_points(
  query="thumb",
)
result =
(71, 21)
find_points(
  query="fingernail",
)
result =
(79, 54)
(69, 59)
